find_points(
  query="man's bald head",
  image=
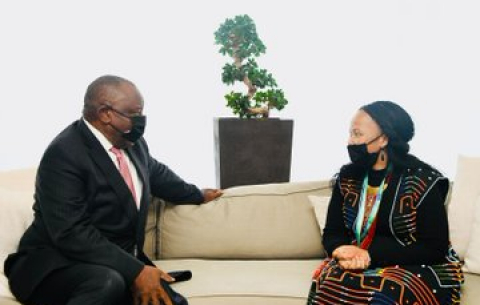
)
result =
(99, 91)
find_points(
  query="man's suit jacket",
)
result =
(85, 212)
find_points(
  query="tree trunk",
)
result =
(252, 89)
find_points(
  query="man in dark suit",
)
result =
(92, 190)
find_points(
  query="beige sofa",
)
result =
(255, 245)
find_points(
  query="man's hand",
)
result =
(352, 257)
(147, 288)
(210, 194)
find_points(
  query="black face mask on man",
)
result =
(138, 127)
(359, 154)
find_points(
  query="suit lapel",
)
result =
(111, 173)
(142, 174)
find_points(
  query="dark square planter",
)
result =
(252, 151)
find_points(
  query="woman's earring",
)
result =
(382, 154)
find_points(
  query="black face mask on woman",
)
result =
(359, 154)
(138, 126)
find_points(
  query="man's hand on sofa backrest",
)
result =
(211, 194)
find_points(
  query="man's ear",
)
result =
(103, 113)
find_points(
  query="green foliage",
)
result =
(238, 38)
(274, 97)
(239, 104)
(231, 74)
(259, 77)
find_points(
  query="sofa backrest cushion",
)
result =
(462, 207)
(253, 222)
(16, 200)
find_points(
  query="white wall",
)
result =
(330, 57)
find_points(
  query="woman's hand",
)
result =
(346, 252)
(352, 257)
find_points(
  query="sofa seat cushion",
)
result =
(471, 289)
(8, 301)
(243, 300)
(265, 281)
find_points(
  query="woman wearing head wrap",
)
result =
(386, 233)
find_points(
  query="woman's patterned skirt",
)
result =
(409, 285)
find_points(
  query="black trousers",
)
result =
(82, 284)
(85, 284)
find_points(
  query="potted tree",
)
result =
(252, 148)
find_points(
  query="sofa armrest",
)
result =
(151, 245)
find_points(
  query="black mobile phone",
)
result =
(180, 275)
(175, 297)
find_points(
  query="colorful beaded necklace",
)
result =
(361, 230)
